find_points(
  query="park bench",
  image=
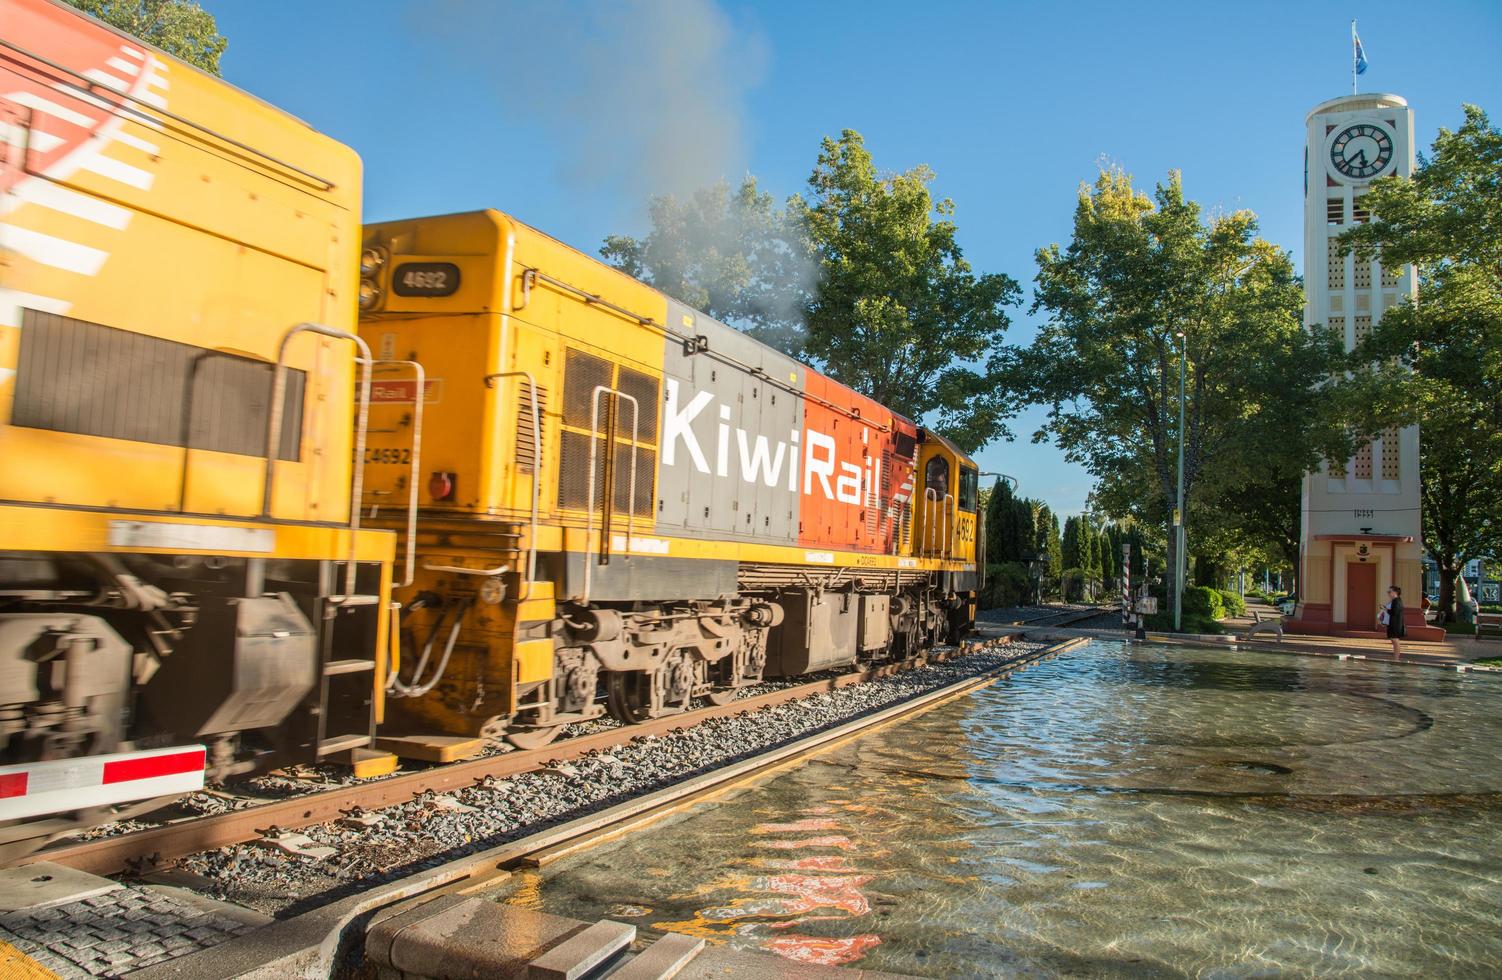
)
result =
(1488, 624)
(1273, 624)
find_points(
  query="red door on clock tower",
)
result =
(1361, 596)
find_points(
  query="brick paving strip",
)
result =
(111, 932)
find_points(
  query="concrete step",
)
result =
(661, 960)
(579, 955)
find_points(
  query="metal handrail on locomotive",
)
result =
(622, 493)
(178, 597)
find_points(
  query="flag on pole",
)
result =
(1358, 53)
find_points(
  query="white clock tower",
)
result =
(1361, 526)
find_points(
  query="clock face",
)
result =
(1361, 151)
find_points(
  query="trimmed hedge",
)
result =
(1234, 604)
(1204, 602)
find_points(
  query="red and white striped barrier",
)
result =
(37, 788)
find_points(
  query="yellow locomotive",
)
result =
(597, 486)
(184, 583)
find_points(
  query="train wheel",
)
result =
(628, 696)
(635, 696)
(722, 695)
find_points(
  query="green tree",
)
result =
(1075, 556)
(1143, 282)
(899, 315)
(1138, 541)
(1438, 363)
(733, 254)
(1110, 555)
(998, 511)
(1050, 543)
(1090, 549)
(1027, 530)
(179, 27)
(1070, 545)
(1010, 546)
(1264, 511)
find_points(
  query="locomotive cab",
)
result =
(945, 504)
(946, 521)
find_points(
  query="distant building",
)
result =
(1361, 524)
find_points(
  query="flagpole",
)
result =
(1353, 56)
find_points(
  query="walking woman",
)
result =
(1392, 615)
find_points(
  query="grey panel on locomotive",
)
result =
(707, 504)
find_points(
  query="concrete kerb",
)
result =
(312, 944)
(1286, 646)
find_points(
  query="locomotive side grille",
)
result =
(643, 388)
(646, 465)
(573, 471)
(758, 576)
(85, 378)
(873, 501)
(573, 475)
(526, 458)
(582, 373)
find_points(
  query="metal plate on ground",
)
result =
(43, 884)
(431, 748)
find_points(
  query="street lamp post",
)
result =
(1178, 514)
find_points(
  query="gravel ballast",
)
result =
(427, 831)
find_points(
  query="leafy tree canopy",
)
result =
(1143, 282)
(179, 27)
(731, 253)
(863, 277)
(899, 314)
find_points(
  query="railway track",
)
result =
(317, 941)
(161, 846)
(1052, 617)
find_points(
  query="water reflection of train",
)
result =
(596, 494)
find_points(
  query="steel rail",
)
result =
(1065, 617)
(157, 847)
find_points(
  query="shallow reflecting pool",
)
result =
(1131, 810)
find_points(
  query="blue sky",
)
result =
(568, 114)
